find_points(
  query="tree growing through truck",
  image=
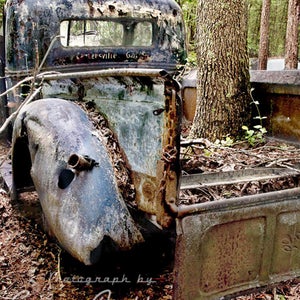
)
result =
(223, 93)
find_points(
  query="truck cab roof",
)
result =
(70, 35)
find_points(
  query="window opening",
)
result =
(103, 33)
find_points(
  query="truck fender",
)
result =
(73, 175)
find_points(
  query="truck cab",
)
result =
(88, 35)
(119, 59)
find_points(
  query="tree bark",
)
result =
(223, 82)
(291, 41)
(264, 35)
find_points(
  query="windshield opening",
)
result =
(104, 33)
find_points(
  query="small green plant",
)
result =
(256, 104)
(227, 142)
(254, 136)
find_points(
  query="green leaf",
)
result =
(257, 126)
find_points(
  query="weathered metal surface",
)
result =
(6, 174)
(129, 93)
(278, 95)
(282, 107)
(73, 176)
(58, 46)
(283, 77)
(189, 94)
(168, 172)
(144, 112)
(223, 247)
(284, 121)
(230, 246)
(31, 26)
(231, 177)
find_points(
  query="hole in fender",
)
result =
(65, 178)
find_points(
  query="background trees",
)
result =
(222, 96)
(277, 24)
(292, 35)
(2, 2)
(223, 85)
(264, 35)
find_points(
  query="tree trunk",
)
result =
(223, 69)
(277, 30)
(264, 35)
(291, 41)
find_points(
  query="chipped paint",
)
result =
(137, 96)
(136, 109)
(88, 209)
(29, 22)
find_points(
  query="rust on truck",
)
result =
(68, 37)
(230, 246)
(64, 61)
(119, 58)
(85, 34)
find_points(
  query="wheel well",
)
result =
(21, 164)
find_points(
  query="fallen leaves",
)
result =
(208, 158)
(33, 266)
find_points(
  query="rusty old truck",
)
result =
(97, 109)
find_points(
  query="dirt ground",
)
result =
(33, 266)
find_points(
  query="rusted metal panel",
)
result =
(277, 92)
(194, 181)
(53, 45)
(284, 120)
(130, 105)
(32, 27)
(143, 109)
(223, 247)
(144, 113)
(282, 77)
(189, 94)
(131, 94)
(235, 245)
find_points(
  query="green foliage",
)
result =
(278, 22)
(227, 142)
(259, 117)
(254, 136)
(254, 12)
(277, 27)
(192, 59)
(189, 9)
(281, 297)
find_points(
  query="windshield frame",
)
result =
(132, 37)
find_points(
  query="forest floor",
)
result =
(33, 266)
